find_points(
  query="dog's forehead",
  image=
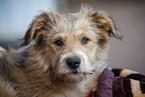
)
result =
(72, 23)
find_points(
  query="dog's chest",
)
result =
(41, 90)
(70, 93)
(77, 90)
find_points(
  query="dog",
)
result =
(61, 56)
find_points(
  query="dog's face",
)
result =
(72, 45)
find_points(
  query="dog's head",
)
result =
(72, 45)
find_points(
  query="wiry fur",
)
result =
(40, 70)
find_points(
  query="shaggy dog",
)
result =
(65, 59)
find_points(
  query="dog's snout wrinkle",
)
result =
(73, 62)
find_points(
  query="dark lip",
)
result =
(77, 72)
(74, 71)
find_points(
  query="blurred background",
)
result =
(129, 15)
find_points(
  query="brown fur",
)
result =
(39, 70)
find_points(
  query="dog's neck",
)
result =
(49, 82)
(83, 86)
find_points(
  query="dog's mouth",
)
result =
(73, 76)
(77, 71)
(74, 71)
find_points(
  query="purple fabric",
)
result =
(105, 84)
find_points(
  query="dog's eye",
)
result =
(84, 40)
(59, 42)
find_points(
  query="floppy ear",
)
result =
(37, 29)
(105, 22)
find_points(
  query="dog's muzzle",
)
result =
(73, 62)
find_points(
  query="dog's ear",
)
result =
(105, 22)
(37, 28)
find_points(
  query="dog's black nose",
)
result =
(73, 62)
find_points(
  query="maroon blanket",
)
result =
(120, 83)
